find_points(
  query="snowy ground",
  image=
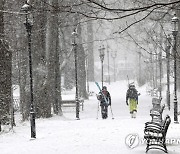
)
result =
(65, 135)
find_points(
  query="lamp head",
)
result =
(74, 37)
(175, 22)
(26, 7)
(28, 21)
(101, 53)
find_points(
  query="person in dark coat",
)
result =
(105, 100)
(132, 100)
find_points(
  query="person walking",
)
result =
(132, 100)
(105, 100)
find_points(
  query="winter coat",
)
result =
(101, 98)
(132, 93)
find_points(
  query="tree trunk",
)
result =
(51, 47)
(90, 51)
(43, 105)
(178, 55)
(81, 66)
(58, 80)
(5, 72)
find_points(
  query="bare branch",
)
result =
(135, 22)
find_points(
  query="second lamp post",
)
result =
(101, 55)
(108, 63)
(168, 47)
(74, 43)
(175, 22)
(114, 55)
(26, 8)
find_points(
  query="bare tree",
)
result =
(52, 48)
(5, 72)
(43, 105)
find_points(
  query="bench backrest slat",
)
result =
(166, 124)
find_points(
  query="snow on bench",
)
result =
(157, 110)
(72, 103)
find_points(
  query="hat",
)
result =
(104, 88)
(131, 86)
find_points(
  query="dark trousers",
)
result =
(104, 111)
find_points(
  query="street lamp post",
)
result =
(139, 63)
(160, 74)
(26, 8)
(87, 74)
(74, 43)
(114, 55)
(101, 55)
(108, 64)
(168, 46)
(175, 21)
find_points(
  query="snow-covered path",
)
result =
(65, 135)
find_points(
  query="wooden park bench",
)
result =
(155, 134)
(157, 110)
(72, 103)
(154, 92)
